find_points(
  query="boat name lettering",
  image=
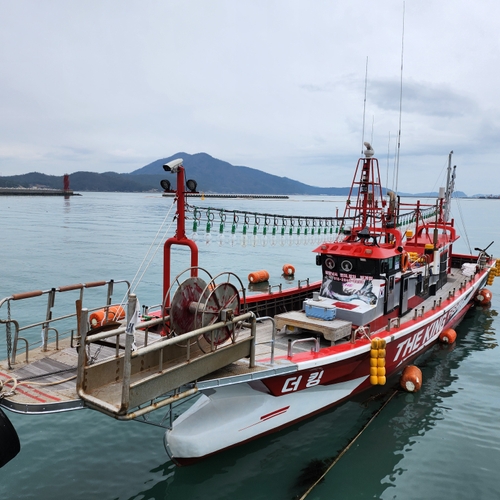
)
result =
(416, 341)
(293, 383)
(314, 379)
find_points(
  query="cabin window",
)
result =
(330, 263)
(346, 265)
(390, 265)
(367, 267)
(391, 283)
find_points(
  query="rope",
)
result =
(135, 280)
(18, 383)
(150, 247)
(342, 453)
(462, 222)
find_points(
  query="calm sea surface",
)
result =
(443, 442)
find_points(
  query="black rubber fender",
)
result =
(9, 440)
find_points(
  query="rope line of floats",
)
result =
(259, 226)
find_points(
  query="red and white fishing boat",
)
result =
(221, 367)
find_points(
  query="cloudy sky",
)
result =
(276, 85)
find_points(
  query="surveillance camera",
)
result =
(173, 166)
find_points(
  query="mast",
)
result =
(367, 210)
(450, 186)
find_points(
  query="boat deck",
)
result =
(48, 382)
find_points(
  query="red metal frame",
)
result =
(179, 238)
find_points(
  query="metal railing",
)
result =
(49, 323)
(135, 385)
(291, 344)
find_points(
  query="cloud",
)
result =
(275, 85)
(421, 98)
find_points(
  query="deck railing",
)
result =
(137, 377)
(48, 323)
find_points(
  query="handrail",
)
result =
(291, 343)
(273, 335)
(127, 397)
(94, 337)
(48, 322)
(186, 336)
(396, 321)
(279, 285)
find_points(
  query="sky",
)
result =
(277, 85)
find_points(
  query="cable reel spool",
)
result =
(197, 304)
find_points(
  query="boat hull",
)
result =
(228, 416)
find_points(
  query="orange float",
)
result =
(116, 313)
(448, 336)
(377, 362)
(288, 270)
(258, 276)
(99, 318)
(411, 379)
(483, 297)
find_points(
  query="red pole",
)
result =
(179, 238)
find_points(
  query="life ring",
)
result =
(404, 262)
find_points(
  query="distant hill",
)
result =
(212, 176)
(217, 176)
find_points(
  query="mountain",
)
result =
(217, 176)
(212, 176)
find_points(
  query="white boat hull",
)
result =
(229, 416)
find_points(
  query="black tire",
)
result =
(10, 445)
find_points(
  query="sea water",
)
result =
(443, 442)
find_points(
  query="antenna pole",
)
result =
(400, 100)
(364, 107)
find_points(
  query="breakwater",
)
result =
(34, 192)
(234, 196)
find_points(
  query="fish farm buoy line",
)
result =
(342, 453)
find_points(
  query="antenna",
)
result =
(388, 158)
(364, 108)
(400, 100)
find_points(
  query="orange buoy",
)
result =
(258, 276)
(448, 336)
(484, 296)
(377, 361)
(99, 318)
(116, 313)
(288, 270)
(411, 379)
